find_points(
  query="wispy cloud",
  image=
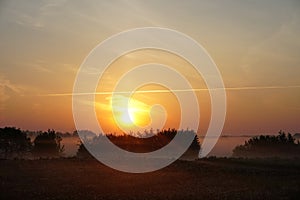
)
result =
(41, 68)
(6, 89)
(35, 15)
(49, 67)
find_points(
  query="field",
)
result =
(210, 178)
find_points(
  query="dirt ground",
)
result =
(213, 178)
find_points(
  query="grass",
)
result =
(209, 178)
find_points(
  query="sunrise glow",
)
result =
(255, 53)
(130, 113)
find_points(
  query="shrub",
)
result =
(281, 145)
(13, 142)
(47, 144)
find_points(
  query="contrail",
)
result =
(176, 90)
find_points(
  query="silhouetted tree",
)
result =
(48, 144)
(282, 145)
(142, 145)
(13, 142)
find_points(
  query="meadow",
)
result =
(208, 178)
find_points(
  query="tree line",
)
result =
(281, 145)
(16, 143)
(143, 145)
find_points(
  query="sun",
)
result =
(129, 118)
(130, 114)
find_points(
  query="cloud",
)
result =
(276, 55)
(7, 89)
(49, 67)
(34, 15)
(42, 68)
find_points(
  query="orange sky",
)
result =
(254, 45)
(144, 101)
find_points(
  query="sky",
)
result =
(255, 45)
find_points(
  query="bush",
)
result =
(47, 144)
(282, 145)
(13, 142)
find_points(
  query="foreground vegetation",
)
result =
(275, 175)
(210, 178)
